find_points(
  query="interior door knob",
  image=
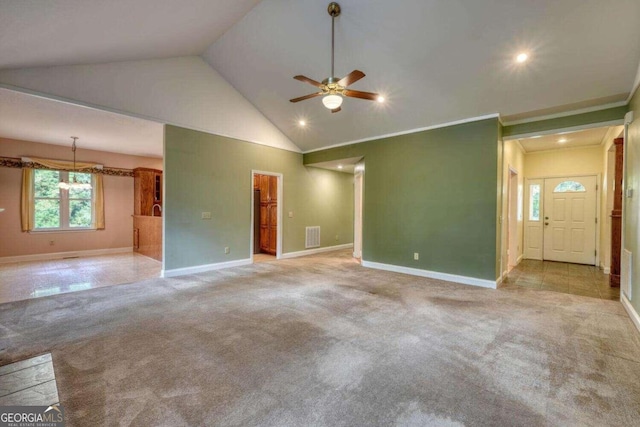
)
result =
(546, 223)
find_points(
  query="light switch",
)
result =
(206, 215)
(290, 214)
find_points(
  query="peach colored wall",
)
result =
(118, 198)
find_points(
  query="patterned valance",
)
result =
(12, 162)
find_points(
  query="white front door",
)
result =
(570, 219)
(533, 218)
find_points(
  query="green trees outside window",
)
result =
(59, 209)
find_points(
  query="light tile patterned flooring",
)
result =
(29, 382)
(24, 280)
(573, 279)
(263, 258)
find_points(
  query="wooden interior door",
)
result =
(268, 213)
(616, 216)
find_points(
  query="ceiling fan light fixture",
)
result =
(332, 101)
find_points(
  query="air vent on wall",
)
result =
(312, 237)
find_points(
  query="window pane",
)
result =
(46, 183)
(80, 193)
(79, 213)
(565, 186)
(534, 202)
(47, 213)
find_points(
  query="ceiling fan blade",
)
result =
(308, 80)
(351, 78)
(302, 98)
(335, 110)
(362, 95)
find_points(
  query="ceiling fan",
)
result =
(333, 89)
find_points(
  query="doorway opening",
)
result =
(512, 220)
(358, 191)
(266, 216)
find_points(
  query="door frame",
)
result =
(598, 205)
(279, 212)
(512, 219)
(358, 209)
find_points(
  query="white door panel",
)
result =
(533, 218)
(570, 219)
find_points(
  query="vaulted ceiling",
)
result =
(435, 61)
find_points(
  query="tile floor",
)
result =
(24, 280)
(30, 382)
(263, 258)
(576, 279)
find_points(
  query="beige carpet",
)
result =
(323, 341)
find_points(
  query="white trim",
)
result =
(136, 115)
(62, 255)
(628, 118)
(636, 84)
(316, 251)
(204, 268)
(280, 201)
(520, 258)
(406, 132)
(568, 113)
(554, 131)
(491, 284)
(635, 318)
(606, 270)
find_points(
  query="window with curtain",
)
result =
(59, 209)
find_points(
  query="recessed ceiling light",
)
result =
(302, 123)
(381, 99)
(562, 140)
(522, 57)
(339, 166)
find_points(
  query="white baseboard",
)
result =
(606, 270)
(635, 318)
(315, 251)
(62, 255)
(205, 267)
(492, 284)
(519, 259)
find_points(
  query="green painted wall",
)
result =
(431, 192)
(210, 173)
(631, 206)
(602, 116)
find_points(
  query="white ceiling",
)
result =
(435, 61)
(65, 32)
(583, 138)
(31, 118)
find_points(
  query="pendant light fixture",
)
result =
(66, 185)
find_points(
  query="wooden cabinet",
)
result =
(268, 218)
(147, 185)
(147, 236)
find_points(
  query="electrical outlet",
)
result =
(206, 215)
(416, 256)
(337, 237)
(227, 250)
(51, 242)
(290, 214)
